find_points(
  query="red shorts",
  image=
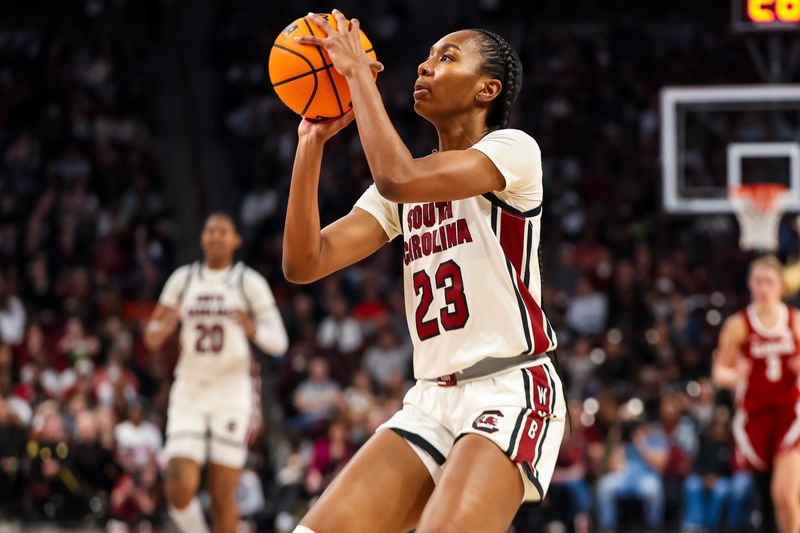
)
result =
(761, 435)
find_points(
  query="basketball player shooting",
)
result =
(214, 400)
(758, 358)
(488, 402)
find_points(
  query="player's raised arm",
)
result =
(447, 175)
(725, 371)
(310, 253)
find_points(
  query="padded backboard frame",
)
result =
(671, 97)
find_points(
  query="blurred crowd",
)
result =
(87, 239)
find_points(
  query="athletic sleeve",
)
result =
(519, 159)
(384, 211)
(171, 293)
(271, 334)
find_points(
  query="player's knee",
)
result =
(179, 492)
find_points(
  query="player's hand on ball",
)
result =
(322, 130)
(343, 44)
(245, 320)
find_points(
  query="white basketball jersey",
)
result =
(213, 346)
(471, 267)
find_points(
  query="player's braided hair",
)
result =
(502, 62)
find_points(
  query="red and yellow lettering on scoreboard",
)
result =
(753, 15)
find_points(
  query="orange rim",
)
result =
(762, 195)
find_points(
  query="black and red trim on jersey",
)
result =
(497, 202)
(509, 226)
(524, 448)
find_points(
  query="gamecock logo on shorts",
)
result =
(488, 421)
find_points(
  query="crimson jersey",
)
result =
(772, 381)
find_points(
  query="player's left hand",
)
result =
(343, 44)
(245, 320)
(324, 129)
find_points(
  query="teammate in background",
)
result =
(214, 401)
(758, 358)
(488, 400)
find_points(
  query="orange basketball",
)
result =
(303, 75)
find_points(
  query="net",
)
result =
(758, 208)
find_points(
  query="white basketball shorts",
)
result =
(213, 421)
(522, 411)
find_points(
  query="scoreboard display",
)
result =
(755, 15)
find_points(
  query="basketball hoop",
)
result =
(758, 208)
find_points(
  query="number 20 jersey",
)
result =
(471, 267)
(214, 347)
(772, 381)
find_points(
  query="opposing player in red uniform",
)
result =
(758, 358)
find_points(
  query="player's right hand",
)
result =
(170, 321)
(322, 130)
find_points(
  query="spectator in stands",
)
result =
(570, 478)
(94, 466)
(702, 409)
(371, 311)
(318, 397)
(358, 401)
(250, 499)
(637, 455)
(330, 455)
(587, 312)
(291, 467)
(714, 486)
(53, 491)
(389, 359)
(115, 384)
(12, 315)
(680, 432)
(135, 500)
(38, 373)
(259, 204)
(76, 342)
(579, 367)
(138, 440)
(339, 330)
(106, 425)
(567, 276)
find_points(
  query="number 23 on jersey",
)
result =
(454, 314)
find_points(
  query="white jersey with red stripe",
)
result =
(471, 267)
(214, 401)
(214, 346)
